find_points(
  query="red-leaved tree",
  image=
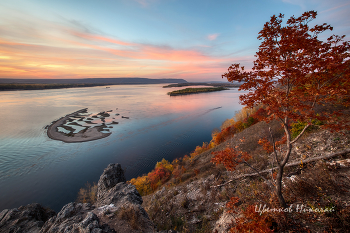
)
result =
(294, 73)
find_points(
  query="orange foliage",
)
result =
(231, 205)
(250, 221)
(295, 71)
(239, 126)
(158, 176)
(149, 183)
(230, 158)
(274, 175)
(267, 146)
(142, 184)
(185, 158)
(178, 171)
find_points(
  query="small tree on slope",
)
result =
(293, 73)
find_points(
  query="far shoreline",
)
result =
(44, 84)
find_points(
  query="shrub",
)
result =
(87, 194)
(147, 184)
(298, 126)
(131, 215)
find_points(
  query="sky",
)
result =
(196, 40)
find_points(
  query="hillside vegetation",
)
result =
(197, 195)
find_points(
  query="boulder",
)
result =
(119, 195)
(117, 209)
(76, 217)
(29, 218)
(119, 203)
(111, 176)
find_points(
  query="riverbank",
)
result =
(89, 134)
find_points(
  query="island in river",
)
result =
(211, 84)
(188, 91)
(81, 126)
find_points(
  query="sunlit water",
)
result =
(34, 168)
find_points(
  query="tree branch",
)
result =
(296, 139)
(257, 172)
(296, 163)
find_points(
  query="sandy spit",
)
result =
(89, 135)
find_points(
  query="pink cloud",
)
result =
(141, 51)
(212, 36)
(67, 51)
(99, 38)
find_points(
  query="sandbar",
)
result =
(89, 134)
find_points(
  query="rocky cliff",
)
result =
(118, 209)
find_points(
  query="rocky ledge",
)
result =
(118, 209)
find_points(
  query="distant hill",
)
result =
(107, 81)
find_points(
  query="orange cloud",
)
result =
(67, 51)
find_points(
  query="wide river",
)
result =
(35, 168)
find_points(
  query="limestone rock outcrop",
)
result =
(111, 176)
(119, 204)
(75, 217)
(117, 209)
(29, 218)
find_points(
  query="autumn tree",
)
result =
(294, 73)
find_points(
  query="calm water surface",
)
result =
(34, 168)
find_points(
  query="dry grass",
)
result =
(132, 215)
(88, 194)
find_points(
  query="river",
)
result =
(35, 168)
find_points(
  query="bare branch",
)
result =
(296, 139)
(296, 163)
(267, 181)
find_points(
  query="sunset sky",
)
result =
(196, 40)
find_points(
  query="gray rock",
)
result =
(111, 176)
(75, 217)
(28, 218)
(118, 209)
(120, 194)
(123, 201)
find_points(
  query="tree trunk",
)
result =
(279, 187)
